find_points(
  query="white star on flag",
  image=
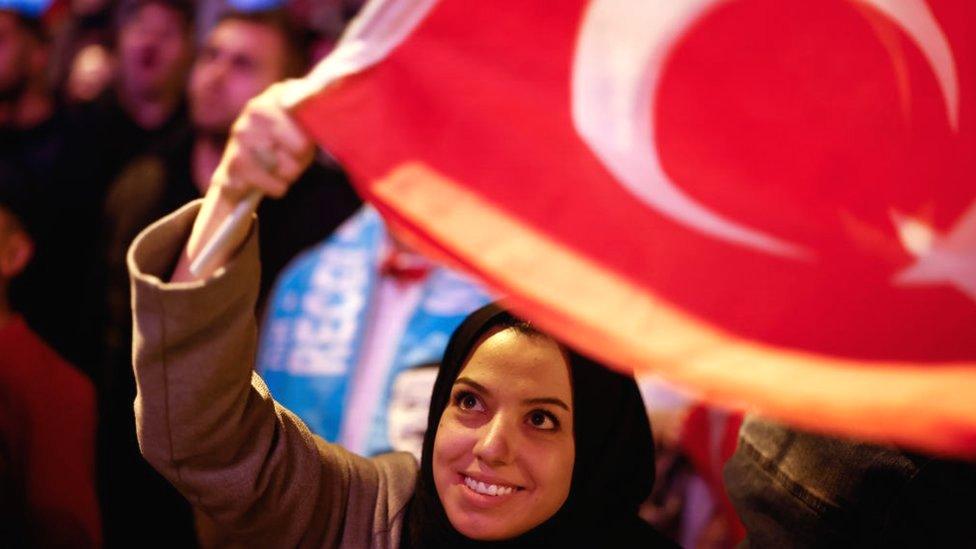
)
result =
(948, 259)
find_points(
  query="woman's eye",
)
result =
(543, 420)
(467, 401)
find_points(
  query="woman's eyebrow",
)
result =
(548, 400)
(472, 383)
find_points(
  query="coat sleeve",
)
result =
(206, 421)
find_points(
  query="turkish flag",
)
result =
(772, 203)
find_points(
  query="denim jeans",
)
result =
(795, 489)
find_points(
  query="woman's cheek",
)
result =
(453, 438)
(551, 462)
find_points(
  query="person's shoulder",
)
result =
(400, 468)
(392, 476)
(376, 491)
(64, 377)
(397, 481)
(46, 365)
(400, 465)
(22, 342)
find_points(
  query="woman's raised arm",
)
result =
(205, 420)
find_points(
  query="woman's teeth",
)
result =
(487, 489)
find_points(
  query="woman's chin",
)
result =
(480, 520)
(479, 530)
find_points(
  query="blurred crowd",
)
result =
(111, 115)
(115, 113)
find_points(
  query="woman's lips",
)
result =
(485, 491)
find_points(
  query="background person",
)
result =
(144, 107)
(47, 433)
(805, 489)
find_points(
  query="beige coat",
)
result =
(206, 421)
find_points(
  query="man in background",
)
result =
(145, 107)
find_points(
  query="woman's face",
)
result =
(504, 448)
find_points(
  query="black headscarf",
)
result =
(613, 470)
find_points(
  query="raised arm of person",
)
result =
(204, 419)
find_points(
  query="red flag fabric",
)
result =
(772, 203)
(709, 438)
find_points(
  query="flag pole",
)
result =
(218, 248)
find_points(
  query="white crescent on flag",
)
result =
(916, 19)
(621, 51)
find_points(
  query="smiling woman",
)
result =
(531, 443)
(504, 449)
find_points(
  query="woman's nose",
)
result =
(495, 445)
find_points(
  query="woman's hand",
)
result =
(267, 151)
(265, 154)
